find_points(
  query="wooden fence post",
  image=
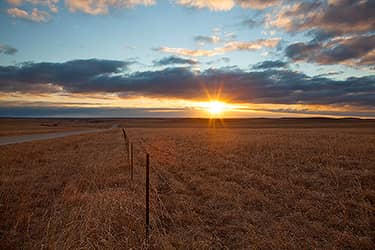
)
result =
(147, 194)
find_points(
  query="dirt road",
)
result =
(35, 137)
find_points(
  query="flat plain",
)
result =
(241, 184)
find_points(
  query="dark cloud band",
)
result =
(277, 86)
(174, 60)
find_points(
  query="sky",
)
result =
(179, 58)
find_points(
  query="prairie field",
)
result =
(304, 184)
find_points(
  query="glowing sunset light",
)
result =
(215, 107)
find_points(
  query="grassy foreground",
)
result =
(211, 188)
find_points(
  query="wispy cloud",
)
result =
(252, 45)
(207, 39)
(187, 52)
(225, 5)
(52, 4)
(7, 49)
(99, 7)
(174, 60)
(258, 4)
(15, 2)
(219, 60)
(216, 5)
(35, 15)
(228, 47)
(250, 23)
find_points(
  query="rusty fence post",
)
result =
(126, 141)
(125, 135)
(147, 194)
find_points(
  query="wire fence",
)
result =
(129, 158)
(129, 148)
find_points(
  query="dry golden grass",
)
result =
(211, 188)
(265, 188)
(68, 193)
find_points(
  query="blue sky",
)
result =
(230, 36)
(123, 33)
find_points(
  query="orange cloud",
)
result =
(225, 5)
(15, 2)
(228, 47)
(187, 52)
(217, 5)
(253, 45)
(99, 7)
(52, 4)
(35, 16)
(257, 4)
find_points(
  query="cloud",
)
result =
(269, 86)
(332, 73)
(252, 45)
(228, 47)
(207, 39)
(250, 23)
(35, 16)
(216, 5)
(100, 7)
(52, 4)
(258, 4)
(15, 2)
(219, 60)
(355, 50)
(270, 65)
(332, 16)
(300, 51)
(7, 49)
(342, 31)
(225, 5)
(187, 52)
(173, 60)
(52, 77)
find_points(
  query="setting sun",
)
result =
(215, 107)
